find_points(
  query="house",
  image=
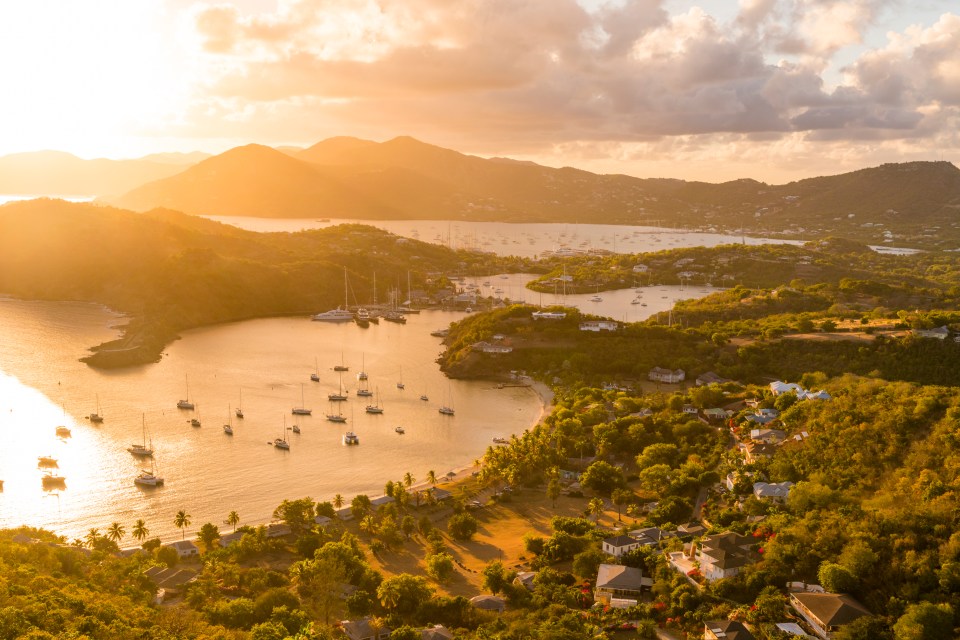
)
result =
(759, 451)
(640, 268)
(658, 374)
(651, 536)
(620, 586)
(486, 347)
(689, 409)
(599, 325)
(344, 513)
(170, 581)
(793, 629)
(768, 435)
(362, 630)
(710, 378)
(827, 612)
(322, 521)
(436, 632)
(184, 548)
(776, 491)
(525, 578)
(278, 530)
(619, 545)
(690, 530)
(939, 333)
(228, 539)
(725, 630)
(441, 494)
(814, 395)
(779, 387)
(569, 476)
(489, 603)
(716, 414)
(548, 315)
(381, 501)
(724, 554)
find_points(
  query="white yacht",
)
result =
(399, 429)
(148, 478)
(351, 438)
(445, 410)
(334, 315)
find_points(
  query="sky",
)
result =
(712, 90)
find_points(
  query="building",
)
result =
(758, 451)
(651, 536)
(486, 347)
(548, 315)
(725, 630)
(436, 632)
(710, 378)
(724, 554)
(827, 612)
(689, 409)
(489, 603)
(599, 325)
(640, 268)
(658, 374)
(362, 630)
(620, 586)
(779, 387)
(768, 435)
(776, 491)
(619, 545)
(939, 333)
(184, 548)
(716, 414)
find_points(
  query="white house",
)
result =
(779, 387)
(724, 554)
(658, 374)
(619, 545)
(599, 325)
(486, 347)
(620, 586)
(184, 548)
(777, 491)
(548, 315)
(640, 268)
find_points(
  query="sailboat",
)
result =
(447, 409)
(239, 411)
(362, 375)
(339, 396)
(195, 422)
(149, 478)
(142, 450)
(281, 442)
(400, 381)
(301, 410)
(96, 416)
(336, 417)
(185, 404)
(315, 376)
(375, 408)
(228, 428)
(341, 366)
(340, 314)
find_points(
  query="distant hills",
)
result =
(909, 204)
(55, 173)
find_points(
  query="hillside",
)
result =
(54, 173)
(911, 204)
(170, 271)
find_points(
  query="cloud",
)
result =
(505, 74)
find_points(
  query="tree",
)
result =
(553, 491)
(621, 497)
(360, 506)
(182, 521)
(297, 514)
(587, 563)
(440, 566)
(836, 578)
(432, 477)
(405, 632)
(403, 594)
(596, 507)
(116, 532)
(92, 536)
(408, 525)
(656, 479)
(925, 621)
(338, 501)
(602, 477)
(208, 536)
(233, 519)
(408, 479)
(496, 577)
(140, 531)
(462, 526)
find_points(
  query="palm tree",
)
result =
(92, 536)
(182, 521)
(596, 507)
(140, 531)
(338, 501)
(408, 479)
(432, 476)
(233, 519)
(116, 532)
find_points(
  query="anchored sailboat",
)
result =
(142, 450)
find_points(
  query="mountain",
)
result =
(52, 173)
(910, 204)
(170, 271)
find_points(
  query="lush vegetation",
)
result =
(171, 272)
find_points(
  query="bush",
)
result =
(462, 526)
